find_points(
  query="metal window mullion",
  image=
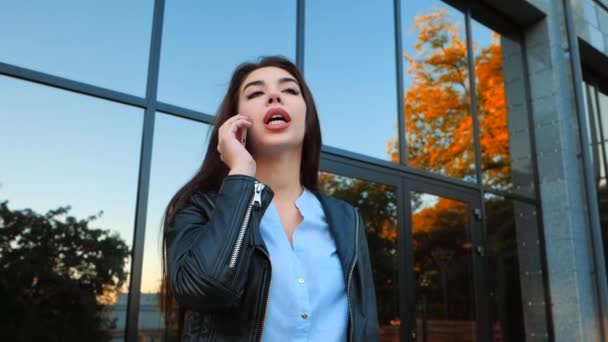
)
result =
(481, 294)
(300, 31)
(70, 85)
(407, 275)
(143, 186)
(601, 4)
(185, 113)
(473, 99)
(510, 195)
(400, 90)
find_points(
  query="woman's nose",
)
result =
(274, 97)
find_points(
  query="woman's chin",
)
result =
(278, 146)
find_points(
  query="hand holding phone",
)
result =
(231, 134)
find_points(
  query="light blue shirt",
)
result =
(307, 299)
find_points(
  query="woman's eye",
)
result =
(254, 94)
(292, 91)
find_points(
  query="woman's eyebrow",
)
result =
(252, 83)
(288, 79)
(281, 81)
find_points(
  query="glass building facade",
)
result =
(430, 120)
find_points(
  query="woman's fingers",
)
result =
(231, 149)
(230, 133)
(234, 123)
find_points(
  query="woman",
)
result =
(252, 250)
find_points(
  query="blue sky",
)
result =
(60, 148)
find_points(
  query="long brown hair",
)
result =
(212, 171)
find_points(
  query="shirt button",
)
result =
(304, 315)
(301, 280)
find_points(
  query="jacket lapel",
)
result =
(341, 220)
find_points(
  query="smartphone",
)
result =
(242, 135)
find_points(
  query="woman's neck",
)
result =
(282, 173)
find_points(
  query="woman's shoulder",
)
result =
(334, 204)
(202, 200)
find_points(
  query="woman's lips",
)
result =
(276, 125)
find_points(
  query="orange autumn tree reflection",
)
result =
(439, 128)
(440, 139)
(439, 133)
(492, 114)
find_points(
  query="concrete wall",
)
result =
(569, 250)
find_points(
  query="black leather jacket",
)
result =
(220, 269)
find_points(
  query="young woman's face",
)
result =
(272, 98)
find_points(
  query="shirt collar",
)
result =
(303, 201)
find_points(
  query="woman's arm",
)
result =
(207, 246)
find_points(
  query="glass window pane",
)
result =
(81, 153)
(439, 128)
(350, 65)
(602, 160)
(596, 159)
(204, 41)
(602, 194)
(443, 266)
(73, 39)
(377, 204)
(513, 261)
(586, 105)
(178, 151)
(603, 113)
(491, 107)
(589, 92)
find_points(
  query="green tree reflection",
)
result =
(57, 276)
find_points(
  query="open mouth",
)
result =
(276, 116)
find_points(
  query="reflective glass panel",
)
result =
(602, 160)
(377, 204)
(504, 279)
(439, 129)
(443, 265)
(68, 176)
(178, 151)
(603, 113)
(492, 107)
(102, 43)
(597, 115)
(350, 67)
(592, 113)
(602, 194)
(204, 41)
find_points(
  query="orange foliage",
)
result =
(439, 127)
(492, 112)
(427, 220)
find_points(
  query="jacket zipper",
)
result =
(350, 276)
(256, 200)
